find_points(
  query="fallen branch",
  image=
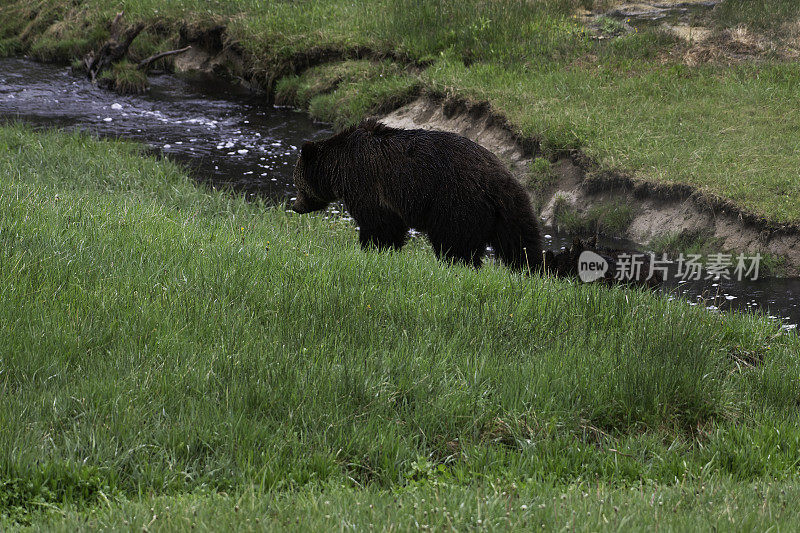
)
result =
(143, 64)
(114, 27)
(113, 50)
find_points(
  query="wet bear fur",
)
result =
(454, 191)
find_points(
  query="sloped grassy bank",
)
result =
(218, 361)
(709, 149)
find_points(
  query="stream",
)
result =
(228, 137)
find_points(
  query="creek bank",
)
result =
(579, 182)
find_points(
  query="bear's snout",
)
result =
(306, 204)
(299, 207)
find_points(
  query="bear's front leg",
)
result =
(381, 228)
(463, 245)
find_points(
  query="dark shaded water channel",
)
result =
(230, 137)
(225, 135)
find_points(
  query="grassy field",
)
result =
(721, 116)
(174, 356)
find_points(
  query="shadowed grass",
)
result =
(607, 218)
(161, 339)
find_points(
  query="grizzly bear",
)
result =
(454, 191)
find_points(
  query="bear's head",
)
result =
(311, 181)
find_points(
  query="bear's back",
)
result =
(442, 147)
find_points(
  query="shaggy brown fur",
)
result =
(444, 185)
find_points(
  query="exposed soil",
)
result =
(687, 19)
(740, 44)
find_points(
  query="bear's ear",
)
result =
(308, 151)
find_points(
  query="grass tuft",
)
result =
(607, 218)
(125, 78)
(344, 93)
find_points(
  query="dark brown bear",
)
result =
(453, 190)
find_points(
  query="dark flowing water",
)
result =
(225, 135)
(229, 137)
(778, 298)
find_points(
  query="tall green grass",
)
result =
(508, 32)
(161, 339)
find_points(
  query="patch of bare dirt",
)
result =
(685, 19)
(658, 7)
(475, 122)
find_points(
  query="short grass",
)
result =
(727, 131)
(630, 101)
(700, 505)
(343, 93)
(221, 361)
(769, 15)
